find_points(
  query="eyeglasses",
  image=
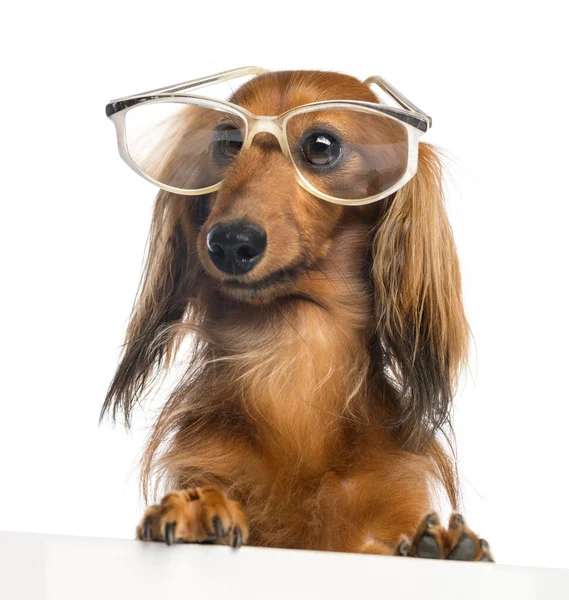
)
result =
(344, 151)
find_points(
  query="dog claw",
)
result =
(428, 547)
(237, 538)
(147, 530)
(218, 526)
(465, 549)
(458, 519)
(403, 548)
(169, 534)
(432, 521)
(428, 542)
(486, 555)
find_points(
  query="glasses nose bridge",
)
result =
(271, 125)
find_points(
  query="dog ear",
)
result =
(422, 332)
(163, 299)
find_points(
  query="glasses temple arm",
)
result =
(202, 81)
(397, 96)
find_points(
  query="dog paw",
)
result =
(199, 515)
(456, 542)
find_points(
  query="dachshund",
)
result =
(314, 407)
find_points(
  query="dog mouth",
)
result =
(270, 285)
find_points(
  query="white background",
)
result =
(74, 220)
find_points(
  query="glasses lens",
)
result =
(348, 154)
(184, 146)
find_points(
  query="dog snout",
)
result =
(236, 247)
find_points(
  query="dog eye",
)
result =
(227, 142)
(321, 148)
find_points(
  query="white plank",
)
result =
(50, 567)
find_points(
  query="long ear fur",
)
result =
(421, 326)
(163, 299)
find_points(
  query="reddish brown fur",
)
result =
(313, 402)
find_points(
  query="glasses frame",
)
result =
(416, 122)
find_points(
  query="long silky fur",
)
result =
(419, 316)
(163, 299)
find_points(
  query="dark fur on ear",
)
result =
(422, 332)
(163, 299)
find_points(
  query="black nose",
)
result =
(237, 246)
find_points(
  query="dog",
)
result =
(314, 411)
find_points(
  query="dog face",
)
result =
(264, 233)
